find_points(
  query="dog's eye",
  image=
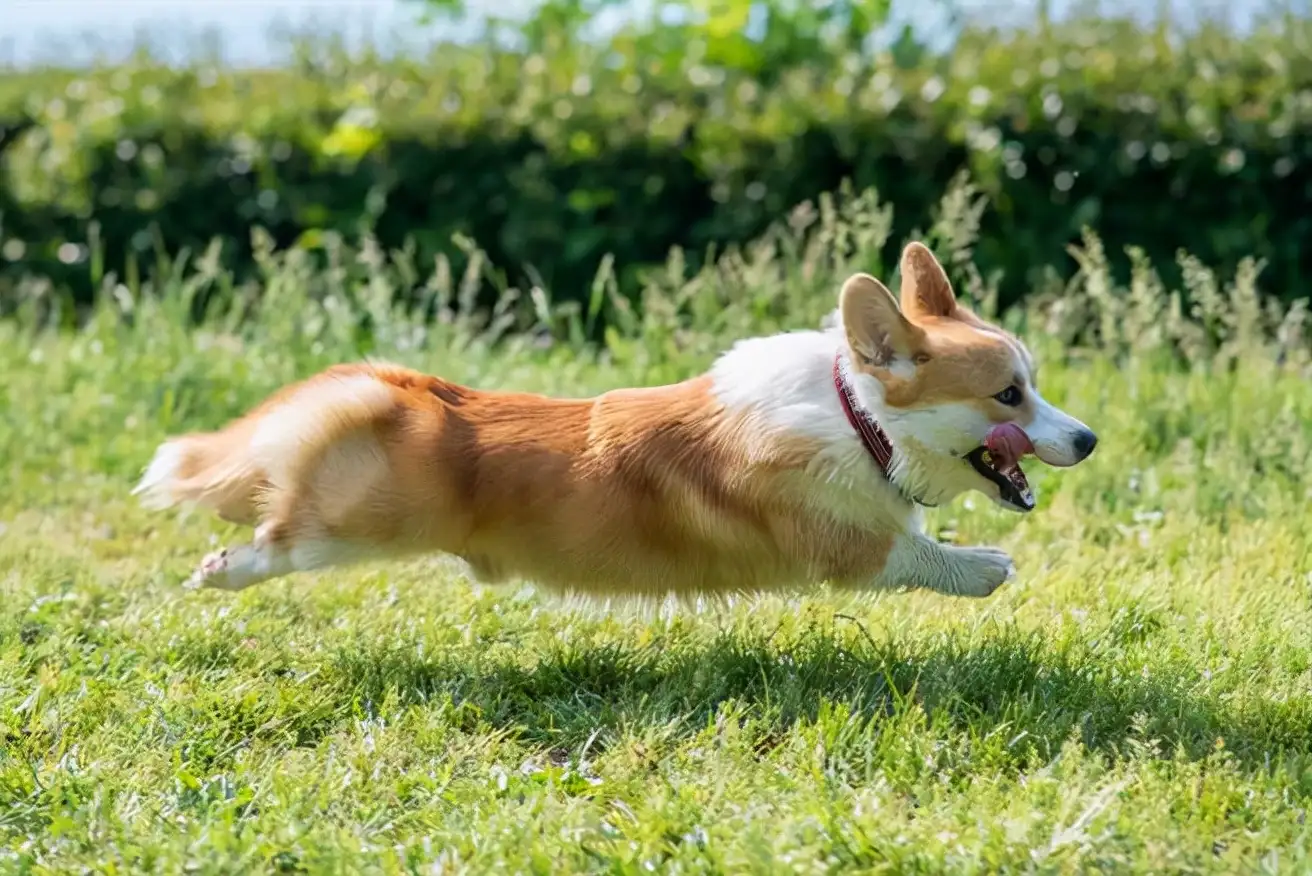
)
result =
(1009, 396)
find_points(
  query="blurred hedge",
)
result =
(552, 160)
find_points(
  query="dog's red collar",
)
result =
(873, 437)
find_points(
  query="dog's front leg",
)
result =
(919, 562)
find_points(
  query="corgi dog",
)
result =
(796, 459)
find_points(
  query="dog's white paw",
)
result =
(982, 570)
(212, 572)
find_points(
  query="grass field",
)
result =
(1138, 700)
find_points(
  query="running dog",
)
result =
(796, 459)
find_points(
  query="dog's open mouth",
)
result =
(998, 459)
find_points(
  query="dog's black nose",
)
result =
(1085, 442)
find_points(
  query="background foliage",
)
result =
(1137, 701)
(553, 151)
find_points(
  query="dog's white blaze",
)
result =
(1053, 433)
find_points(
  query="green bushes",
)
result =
(551, 161)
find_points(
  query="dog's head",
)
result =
(958, 394)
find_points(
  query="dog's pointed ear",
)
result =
(876, 330)
(926, 290)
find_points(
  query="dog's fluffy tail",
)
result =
(271, 448)
(210, 469)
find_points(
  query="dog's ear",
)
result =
(926, 290)
(876, 330)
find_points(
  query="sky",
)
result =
(74, 30)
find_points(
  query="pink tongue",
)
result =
(1007, 443)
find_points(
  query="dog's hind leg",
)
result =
(323, 465)
(265, 558)
(329, 510)
(239, 567)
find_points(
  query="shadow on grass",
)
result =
(1014, 685)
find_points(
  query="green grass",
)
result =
(1137, 701)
